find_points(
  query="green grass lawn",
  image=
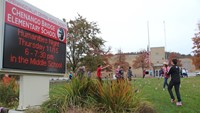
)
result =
(152, 90)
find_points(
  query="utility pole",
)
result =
(148, 35)
(165, 40)
(148, 45)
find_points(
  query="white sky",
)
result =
(123, 23)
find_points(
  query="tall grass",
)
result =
(68, 95)
(9, 94)
(116, 96)
(109, 96)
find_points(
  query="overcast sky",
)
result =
(123, 23)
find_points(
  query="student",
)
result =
(175, 81)
(70, 75)
(121, 72)
(165, 69)
(99, 69)
(81, 72)
(160, 73)
(151, 73)
(144, 73)
(89, 74)
(130, 74)
(6, 79)
(184, 72)
(117, 74)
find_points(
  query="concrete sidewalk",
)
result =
(14, 111)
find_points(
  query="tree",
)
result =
(82, 41)
(142, 60)
(196, 48)
(174, 55)
(121, 60)
(91, 62)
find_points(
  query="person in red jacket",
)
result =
(6, 79)
(99, 69)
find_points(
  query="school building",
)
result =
(157, 57)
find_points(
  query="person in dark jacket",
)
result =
(129, 73)
(144, 73)
(121, 72)
(175, 81)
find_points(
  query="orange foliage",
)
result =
(174, 55)
(141, 60)
(196, 61)
(196, 51)
(121, 60)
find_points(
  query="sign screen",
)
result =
(33, 40)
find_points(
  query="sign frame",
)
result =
(1, 30)
(2, 35)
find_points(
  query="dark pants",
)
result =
(165, 82)
(185, 75)
(176, 86)
(129, 78)
(70, 77)
(100, 80)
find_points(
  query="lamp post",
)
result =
(165, 40)
(148, 45)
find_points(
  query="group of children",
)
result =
(119, 73)
(80, 73)
(173, 72)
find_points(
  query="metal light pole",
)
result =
(165, 40)
(148, 35)
(148, 44)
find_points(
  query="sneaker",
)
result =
(179, 104)
(173, 101)
(163, 89)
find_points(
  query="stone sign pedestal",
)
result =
(34, 90)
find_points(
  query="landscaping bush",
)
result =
(9, 94)
(91, 95)
(70, 94)
(145, 107)
(116, 96)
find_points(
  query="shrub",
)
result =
(73, 94)
(9, 94)
(91, 95)
(145, 107)
(116, 96)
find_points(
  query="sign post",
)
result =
(31, 93)
(33, 45)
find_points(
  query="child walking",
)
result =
(165, 69)
(175, 81)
